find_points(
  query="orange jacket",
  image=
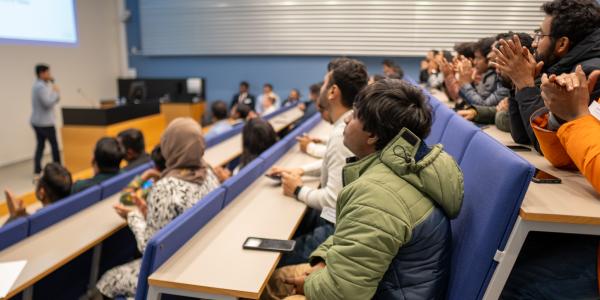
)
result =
(576, 143)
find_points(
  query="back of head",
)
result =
(350, 76)
(257, 136)
(56, 182)
(465, 49)
(182, 144)
(41, 68)
(388, 105)
(526, 39)
(132, 139)
(108, 155)
(219, 110)
(484, 45)
(243, 110)
(575, 19)
(335, 62)
(315, 88)
(159, 161)
(398, 72)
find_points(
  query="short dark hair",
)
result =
(270, 86)
(243, 110)
(56, 181)
(108, 155)
(219, 109)
(388, 105)
(435, 52)
(336, 62)
(465, 49)
(245, 83)
(389, 63)
(526, 39)
(160, 163)
(397, 69)
(378, 77)
(132, 139)
(41, 68)
(350, 76)
(257, 136)
(484, 46)
(575, 19)
(315, 88)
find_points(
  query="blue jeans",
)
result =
(555, 266)
(313, 231)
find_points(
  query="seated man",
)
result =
(293, 98)
(346, 78)
(106, 163)
(53, 185)
(132, 141)
(220, 121)
(392, 237)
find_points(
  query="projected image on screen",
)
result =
(53, 21)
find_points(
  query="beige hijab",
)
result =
(182, 146)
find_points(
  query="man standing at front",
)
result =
(44, 96)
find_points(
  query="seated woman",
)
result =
(186, 179)
(140, 186)
(257, 136)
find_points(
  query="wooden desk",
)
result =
(62, 242)
(173, 110)
(213, 265)
(570, 207)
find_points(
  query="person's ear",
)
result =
(334, 92)
(562, 46)
(372, 140)
(41, 195)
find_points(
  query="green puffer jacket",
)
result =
(392, 235)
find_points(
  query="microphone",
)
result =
(83, 95)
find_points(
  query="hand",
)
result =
(141, 204)
(516, 62)
(432, 67)
(290, 182)
(279, 170)
(502, 105)
(303, 141)
(567, 96)
(55, 88)
(468, 114)
(222, 173)
(16, 207)
(424, 65)
(445, 67)
(122, 210)
(465, 71)
(319, 266)
(151, 173)
(298, 283)
(302, 106)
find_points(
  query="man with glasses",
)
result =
(568, 36)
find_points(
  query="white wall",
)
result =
(92, 66)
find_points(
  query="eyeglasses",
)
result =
(537, 36)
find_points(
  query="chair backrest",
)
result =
(56, 212)
(458, 136)
(495, 180)
(237, 128)
(240, 181)
(175, 234)
(116, 183)
(13, 232)
(441, 117)
(279, 111)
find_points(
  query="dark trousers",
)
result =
(41, 135)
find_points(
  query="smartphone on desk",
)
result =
(275, 177)
(518, 148)
(256, 243)
(544, 177)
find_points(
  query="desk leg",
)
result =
(155, 292)
(95, 269)
(506, 259)
(28, 293)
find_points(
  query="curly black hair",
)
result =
(575, 19)
(484, 45)
(388, 105)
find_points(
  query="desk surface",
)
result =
(229, 149)
(68, 239)
(573, 201)
(214, 262)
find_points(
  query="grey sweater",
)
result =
(43, 99)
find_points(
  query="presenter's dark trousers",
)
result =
(41, 135)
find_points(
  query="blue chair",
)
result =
(56, 212)
(13, 232)
(434, 102)
(116, 183)
(441, 117)
(458, 136)
(245, 177)
(496, 180)
(171, 237)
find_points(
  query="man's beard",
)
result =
(549, 59)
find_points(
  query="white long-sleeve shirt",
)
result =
(329, 169)
(43, 99)
(316, 149)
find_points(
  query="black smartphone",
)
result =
(544, 177)
(256, 243)
(276, 177)
(518, 148)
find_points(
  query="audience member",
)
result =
(310, 107)
(268, 104)
(141, 185)
(390, 68)
(426, 67)
(392, 236)
(267, 93)
(185, 181)
(435, 79)
(53, 185)
(346, 78)
(243, 96)
(466, 49)
(106, 163)
(569, 35)
(293, 98)
(221, 123)
(132, 141)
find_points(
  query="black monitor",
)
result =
(137, 92)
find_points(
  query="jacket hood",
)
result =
(436, 174)
(587, 49)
